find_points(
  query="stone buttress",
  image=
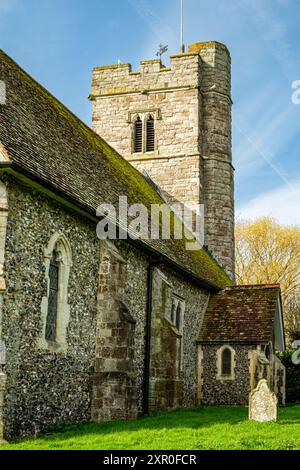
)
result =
(114, 392)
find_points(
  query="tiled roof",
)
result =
(46, 142)
(244, 314)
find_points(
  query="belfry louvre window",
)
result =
(51, 322)
(226, 362)
(138, 135)
(143, 133)
(150, 135)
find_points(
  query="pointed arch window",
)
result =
(55, 308)
(178, 317)
(51, 321)
(150, 134)
(268, 351)
(173, 310)
(138, 135)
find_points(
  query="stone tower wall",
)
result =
(216, 144)
(191, 104)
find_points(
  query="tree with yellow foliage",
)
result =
(269, 253)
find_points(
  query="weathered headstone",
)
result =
(263, 403)
(2, 353)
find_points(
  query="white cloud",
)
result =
(282, 203)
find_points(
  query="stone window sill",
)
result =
(226, 378)
(144, 155)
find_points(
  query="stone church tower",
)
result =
(175, 123)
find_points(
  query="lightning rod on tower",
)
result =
(182, 48)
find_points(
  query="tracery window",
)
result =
(55, 309)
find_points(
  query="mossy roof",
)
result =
(49, 143)
(241, 314)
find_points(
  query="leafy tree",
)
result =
(269, 253)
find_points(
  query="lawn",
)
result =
(200, 429)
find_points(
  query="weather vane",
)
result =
(162, 50)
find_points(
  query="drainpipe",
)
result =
(146, 383)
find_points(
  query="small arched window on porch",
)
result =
(150, 134)
(226, 362)
(138, 135)
(55, 307)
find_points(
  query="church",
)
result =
(94, 329)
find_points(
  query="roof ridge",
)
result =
(252, 286)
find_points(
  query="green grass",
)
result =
(200, 429)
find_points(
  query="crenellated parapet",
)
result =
(153, 76)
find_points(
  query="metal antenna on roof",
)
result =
(182, 47)
(162, 50)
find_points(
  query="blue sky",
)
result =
(59, 42)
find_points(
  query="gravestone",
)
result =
(263, 403)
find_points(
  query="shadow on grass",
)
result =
(188, 419)
(200, 419)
